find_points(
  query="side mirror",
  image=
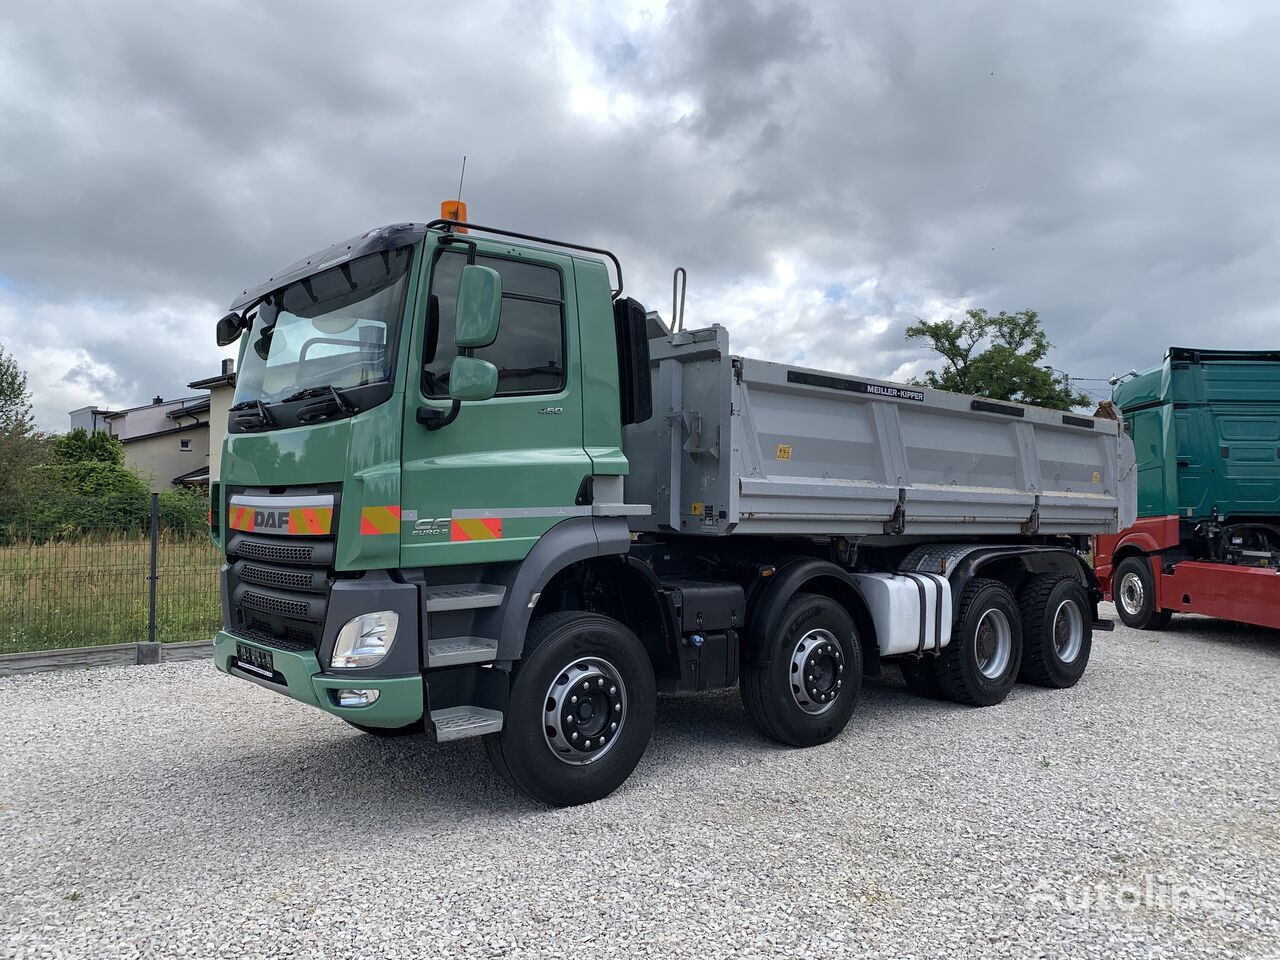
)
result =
(229, 329)
(479, 307)
(472, 379)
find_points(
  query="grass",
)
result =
(95, 590)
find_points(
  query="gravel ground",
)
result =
(173, 811)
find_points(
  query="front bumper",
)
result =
(298, 675)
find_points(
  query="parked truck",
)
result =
(469, 489)
(1206, 428)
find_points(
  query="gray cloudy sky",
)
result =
(826, 170)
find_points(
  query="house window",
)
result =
(184, 444)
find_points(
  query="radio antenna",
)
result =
(461, 176)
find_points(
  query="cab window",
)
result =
(529, 352)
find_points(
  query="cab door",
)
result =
(485, 487)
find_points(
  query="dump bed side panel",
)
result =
(748, 447)
(829, 453)
(679, 457)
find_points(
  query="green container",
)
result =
(1206, 431)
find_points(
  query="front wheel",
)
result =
(806, 693)
(580, 712)
(1135, 594)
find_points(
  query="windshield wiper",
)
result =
(321, 410)
(264, 415)
(339, 399)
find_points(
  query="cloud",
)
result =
(826, 171)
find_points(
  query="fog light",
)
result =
(365, 640)
(356, 698)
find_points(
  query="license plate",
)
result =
(255, 660)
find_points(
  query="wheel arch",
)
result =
(623, 588)
(566, 545)
(808, 575)
(1131, 548)
(1014, 565)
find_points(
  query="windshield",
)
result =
(337, 328)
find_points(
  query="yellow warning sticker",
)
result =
(1097, 477)
(784, 451)
(378, 520)
(696, 509)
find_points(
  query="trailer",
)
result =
(470, 489)
(1206, 424)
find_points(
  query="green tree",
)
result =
(80, 446)
(21, 444)
(1000, 357)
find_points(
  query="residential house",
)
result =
(171, 443)
(221, 389)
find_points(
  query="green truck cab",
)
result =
(1206, 432)
(371, 377)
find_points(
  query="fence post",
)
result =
(149, 652)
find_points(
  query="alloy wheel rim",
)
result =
(1132, 594)
(585, 709)
(817, 671)
(994, 644)
(1068, 631)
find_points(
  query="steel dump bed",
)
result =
(742, 446)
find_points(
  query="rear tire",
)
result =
(580, 713)
(1135, 595)
(921, 676)
(980, 664)
(1057, 631)
(807, 691)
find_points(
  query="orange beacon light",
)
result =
(454, 210)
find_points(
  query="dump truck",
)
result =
(470, 489)
(1206, 429)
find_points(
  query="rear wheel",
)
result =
(581, 710)
(806, 693)
(980, 664)
(1135, 595)
(1057, 631)
(921, 675)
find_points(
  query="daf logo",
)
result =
(433, 527)
(555, 411)
(266, 519)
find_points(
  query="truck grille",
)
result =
(273, 604)
(274, 552)
(282, 578)
(278, 587)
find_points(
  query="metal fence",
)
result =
(71, 584)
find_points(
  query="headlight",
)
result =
(365, 640)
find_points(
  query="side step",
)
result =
(457, 723)
(453, 651)
(463, 596)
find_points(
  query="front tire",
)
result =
(980, 664)
(388, 733)
(1135, 595)
(580, 712)
(807, 691)
(1057, 631)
